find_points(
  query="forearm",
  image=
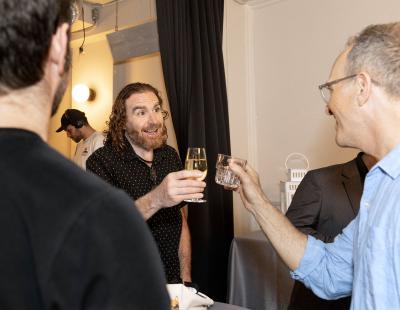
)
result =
(176, 187)
(185, 252)
(288, 241)
(148, 205)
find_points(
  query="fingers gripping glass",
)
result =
(326, 89)
(224, 175)
(196, 160)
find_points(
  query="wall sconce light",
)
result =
(82, 93)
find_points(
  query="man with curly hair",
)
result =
(137, 159)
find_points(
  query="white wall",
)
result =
(238, 80)
(276, 53)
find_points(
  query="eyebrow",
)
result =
(144, 107)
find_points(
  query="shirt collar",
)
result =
(390, 164)
(158, 154)
(362, 168)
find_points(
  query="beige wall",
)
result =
(238, 79)
(276, 53)
(95, 67)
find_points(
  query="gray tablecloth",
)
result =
(258, 279)
(222, 306)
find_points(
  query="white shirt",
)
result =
(85, 148)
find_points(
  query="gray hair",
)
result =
(376, 50)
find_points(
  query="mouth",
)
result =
(152, 132)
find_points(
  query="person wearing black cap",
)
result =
(77, 127)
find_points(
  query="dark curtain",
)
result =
(190, 36)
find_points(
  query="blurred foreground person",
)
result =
(68, 240)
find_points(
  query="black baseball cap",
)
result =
(72, 117)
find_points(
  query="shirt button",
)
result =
(366, 205)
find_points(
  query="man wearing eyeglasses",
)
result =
(325, 202)
(137, 159)
(363, 95)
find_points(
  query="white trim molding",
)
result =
(257, 3)
(250, 89)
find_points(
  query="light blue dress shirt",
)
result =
(365, 259)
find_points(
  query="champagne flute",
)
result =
(196, 160)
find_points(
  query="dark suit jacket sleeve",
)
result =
(108, 260)
(306, 206)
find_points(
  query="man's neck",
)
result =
(87, 131)
(27, 109)
(368, 160)
(147, 155)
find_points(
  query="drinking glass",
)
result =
(224, 175)
(196, 160)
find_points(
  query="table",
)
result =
(222, 306)
(258, 279)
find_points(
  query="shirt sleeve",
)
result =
(98, 142)
(327, 268)
(108, 260)
(96, 165)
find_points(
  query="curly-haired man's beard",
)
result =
(148, 143)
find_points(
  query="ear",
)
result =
(58, 48)
(364, 84)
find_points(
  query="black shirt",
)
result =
(127, 171)
(68, 240)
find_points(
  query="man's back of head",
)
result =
(34, 60)
(376, 50)
(26, 30)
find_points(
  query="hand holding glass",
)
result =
(196, 160)
(224, 175)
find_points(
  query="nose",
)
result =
(153, 118)
(328, 110)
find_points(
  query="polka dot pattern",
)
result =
(126, 171)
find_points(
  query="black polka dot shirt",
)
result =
(126, 171)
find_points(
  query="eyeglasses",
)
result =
(326, 89)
